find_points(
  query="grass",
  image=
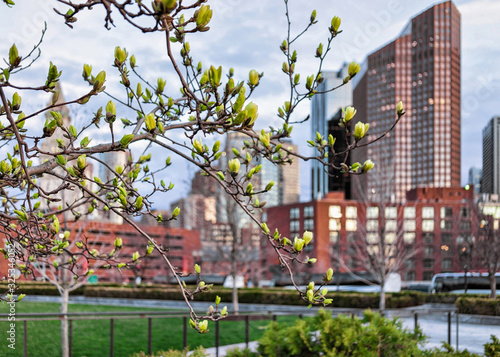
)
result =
(91, 338)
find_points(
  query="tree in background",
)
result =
(187, 123)
(488, 250)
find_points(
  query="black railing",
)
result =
(150, 315)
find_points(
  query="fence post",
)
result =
(415, 317)
(217, 338)
(70, 337)
(111, 337)
(449, 328)
(184, 333)
(150, 332)
(25, 325)
(457, 329)
(247, 331)
(301, 316)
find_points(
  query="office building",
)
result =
(323, 108)
(421, 68)
(475, 175)
(490, 181)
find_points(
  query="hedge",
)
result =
(478, 306)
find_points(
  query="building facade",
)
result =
(432, 222)
(490, 181)
(421, 68)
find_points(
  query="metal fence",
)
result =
(247, 318)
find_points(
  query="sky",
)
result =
(246, 35)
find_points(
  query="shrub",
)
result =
(446, 350)
(478, 306)
(341, 336)
(198, 352)
(492, 349)
(236, 352)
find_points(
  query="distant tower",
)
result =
(323, 107)
(50, 182)
(475, 178)
(422, 69)
(490, 181)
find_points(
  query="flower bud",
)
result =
(298, 244)
(203, 326)
(353, 69)
(197, 269)
(310, 286)
(265, 228)
(118, 242)
(324, 291)
(336, 23)
(360, 130)
(217, 300)
(176, 212)
(204, 16)
(367, 166)
(349, 113)
(135, 256)
(234, 166)
(150, 122)
(81, 162)
(399, 109)
(224, 311)
(307, 237)
(253, 78)
(198, 146)
(329, 274)
(265, 138)
(312, 260)
(310, 295)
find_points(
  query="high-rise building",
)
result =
(289, 178)
(338, 181)
(323, 108)
(475, 175)
(421, 68)
(490, 181)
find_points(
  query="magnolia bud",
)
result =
(253, 78)
(234, 166)
(329, 274)
(353, 69)
(307, 237)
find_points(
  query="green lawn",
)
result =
(91, 337)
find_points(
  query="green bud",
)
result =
(253, 78)
(197, 269)
(234, 166)
(150, 122)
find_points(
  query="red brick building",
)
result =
(184, 249)
(434, 222)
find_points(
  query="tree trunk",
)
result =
(233, 273)
(493, 284)
(64, 323)
(381, 305)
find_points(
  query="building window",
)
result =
(446, 225)
(428, 275)
(409, 212)
(465, 225)
(390, 238)
(372, 212)
(428, 225)
(294, 226)
(390, 225)
(428, 238)
(410, 263)
(429, 251)
(309, 211)
(351, 212)
(446, 237)
(409, 238)
(335, 212)
(351, 237)
(372, 225)
(334, 224)
(334, 237)
(294, 213)
(309, 224)
(427, 212)
(372, 238)
(391, 212)
(446, 263)
(351, 225)
(409, 225)
(446, 212)
(410, 275)
(464, 212)
(428, 263)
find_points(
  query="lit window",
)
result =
(351, 212)
(391, 212)
(390, 225)
(428, 225)
(351, 225)
(334, 237)
(372, 238)
(335, 212)
(446, 212)
(409, 225)
(428, 212)
(372, 225)
(390, 238)
(409, 238)
(372, 212)
(334, 224)
(409, 212)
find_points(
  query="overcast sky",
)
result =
(246, 35)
